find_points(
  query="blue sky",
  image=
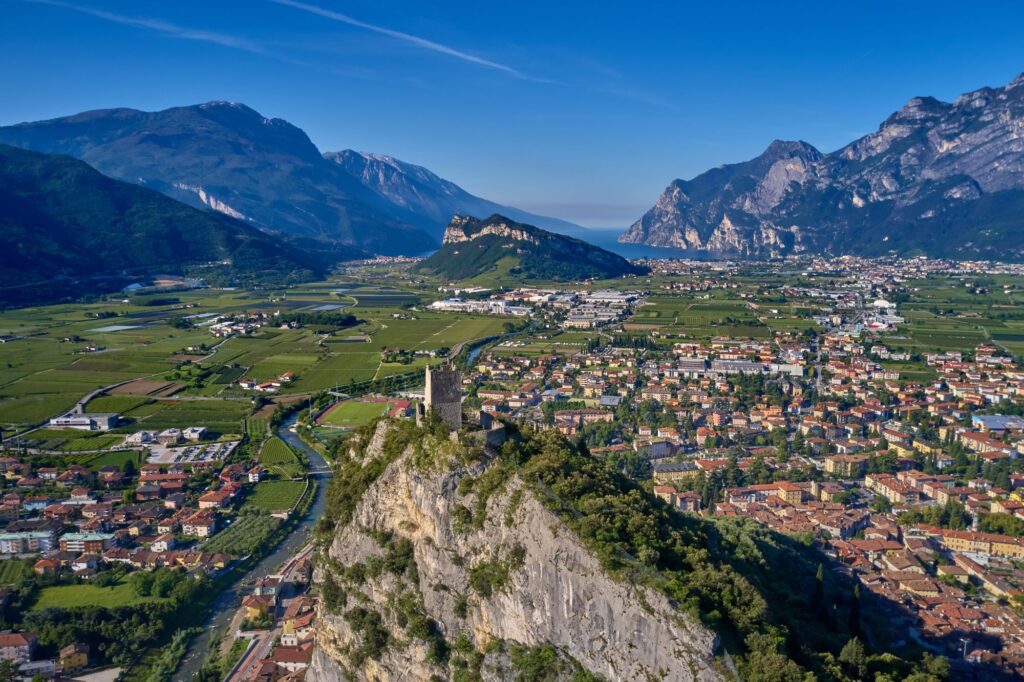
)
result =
(578, 109)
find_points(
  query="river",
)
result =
(228, 601)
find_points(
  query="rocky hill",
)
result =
(66, 229)
(937, 178)
(502, 248)
(442, 559)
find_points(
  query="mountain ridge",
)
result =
(937, 178)
(454, 557)
(265, 171)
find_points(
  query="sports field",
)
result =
(352, 413)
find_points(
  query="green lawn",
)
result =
(118, 458)
(70, 596)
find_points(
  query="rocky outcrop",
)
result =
(946, 179)
(497, 245)
(464, 229)
(495, 588)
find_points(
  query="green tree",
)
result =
(8, 671)
(818, 599)
(854, 659)
(854, 616)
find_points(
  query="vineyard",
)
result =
(246, 535)
(256, 427)
(274, 496)
(278, 459)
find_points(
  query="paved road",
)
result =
(265, 641)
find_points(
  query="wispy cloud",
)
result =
(399, 35)
(167, 28)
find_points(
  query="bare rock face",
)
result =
(465, 228)
(945, 179)
(510, 581)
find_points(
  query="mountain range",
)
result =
(502, 248)
(66, 229)
(943, 179)
(265, 171)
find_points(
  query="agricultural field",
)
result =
(13, 571)
(255, 427)
(44, 369)
(279, 460)
(556, 343)
(702, 318)
(219, 416)
(245, 535)
(70, 440)
(142, 357)
(271, 496)
(944, 315)
(117, 458)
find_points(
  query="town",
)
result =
(871, 408)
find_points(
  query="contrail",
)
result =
(414, 40)
(225, 40)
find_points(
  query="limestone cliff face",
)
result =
(540, 586)
(464, 229)
(940, 178)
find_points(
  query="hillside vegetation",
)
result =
(65, 228)
(777, 612)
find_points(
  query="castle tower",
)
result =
(443, 395)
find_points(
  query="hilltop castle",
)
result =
(443, 395)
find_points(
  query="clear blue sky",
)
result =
(569, 108)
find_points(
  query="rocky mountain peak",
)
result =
(916, 110)
(931, 168)
(784, 149)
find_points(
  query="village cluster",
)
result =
(910, 486)
(161, 507)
